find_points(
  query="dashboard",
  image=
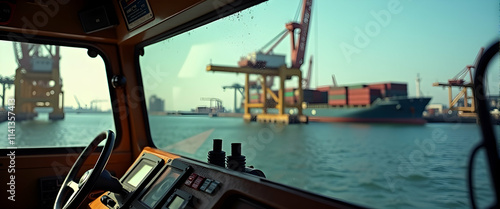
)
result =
(159, 179)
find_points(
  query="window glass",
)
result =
(381, 132)
(53, 96)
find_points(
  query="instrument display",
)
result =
(162, 186)
(178, 200)
(143, 171)
(140, 171)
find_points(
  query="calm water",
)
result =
(380, 166)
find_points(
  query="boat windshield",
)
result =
(375, 89)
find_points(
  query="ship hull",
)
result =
(391, 110)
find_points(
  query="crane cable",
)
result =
(273, 40)
(296, 18)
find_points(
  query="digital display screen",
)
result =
(139, 175)
(176, 203)
(161, 187)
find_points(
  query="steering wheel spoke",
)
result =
(73, 185)
(82, 189)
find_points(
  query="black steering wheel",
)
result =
(83, 188)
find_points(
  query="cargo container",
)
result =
(357, 86)
(337, 102)
(269, 60)
(386, 102)
(337, 91)
(377, 102)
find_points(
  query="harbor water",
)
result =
(372, 165)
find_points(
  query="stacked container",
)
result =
(256, 98)
(390, 89)
(310, 96)
(337, 96)
(290, 96)
(357, 86)
(362, 96)
(396, 89)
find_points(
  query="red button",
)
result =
(197, 183)
(190, 179)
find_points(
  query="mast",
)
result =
(417, 85)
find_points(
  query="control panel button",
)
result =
(104, 199)
(205, 184)
(212, 187)
(190, 179)
(111, 203)
(198, 182)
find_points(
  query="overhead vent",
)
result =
(98, 18)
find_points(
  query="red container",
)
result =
(337, 102)
(290, 100)
(364, 91)
(355, 97)
(377, 86)
(337, 91)
(255, 101)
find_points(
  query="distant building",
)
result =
(156, 104)
(435, 109)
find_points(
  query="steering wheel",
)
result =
(83, 188)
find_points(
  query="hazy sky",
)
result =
(359, 42)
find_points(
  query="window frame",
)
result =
(4, 36)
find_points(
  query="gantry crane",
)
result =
(247, 66)
(218, 103)
(38, 82)
(239, 88)
(93, 104)
(460, 82)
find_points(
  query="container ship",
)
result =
(367, 103)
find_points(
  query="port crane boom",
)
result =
(459, 81)
(299, 44)
(259, 64)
